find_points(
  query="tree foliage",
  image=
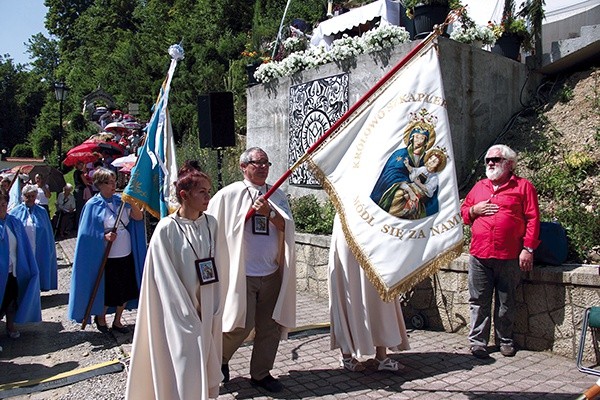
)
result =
(121, 47)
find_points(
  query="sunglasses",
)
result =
(495, 160)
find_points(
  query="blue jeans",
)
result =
(487, 276)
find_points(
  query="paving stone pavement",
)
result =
(438, 366)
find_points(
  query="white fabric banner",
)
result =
(389, 170)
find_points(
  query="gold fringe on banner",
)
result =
(387, 294)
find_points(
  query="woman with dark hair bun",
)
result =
(177, 342)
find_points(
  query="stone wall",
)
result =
(312, 255)
(550, 301)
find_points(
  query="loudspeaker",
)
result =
(215, 120)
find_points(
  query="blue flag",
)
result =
(15, 193)
(152, 177)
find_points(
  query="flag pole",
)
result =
(88, 309)
(438, 29)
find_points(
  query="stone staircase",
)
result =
(568, 53)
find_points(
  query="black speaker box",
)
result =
(215, 120)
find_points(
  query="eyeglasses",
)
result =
(495, 160)
(260, 163)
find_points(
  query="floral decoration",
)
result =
(252, 56)
(295, 43)
(381, 37)
(474, 33)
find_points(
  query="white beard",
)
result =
(496, 173)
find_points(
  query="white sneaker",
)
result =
(389, 365)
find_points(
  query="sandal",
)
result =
(352, 364)
(389, 365)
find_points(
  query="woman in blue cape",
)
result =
(119, 287)
(39, 231)
(19, 281)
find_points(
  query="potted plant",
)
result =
(253, 60)
(511, 34)
(428, 13)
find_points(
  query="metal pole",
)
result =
(280, 28)
(60, 131)
(219, 168)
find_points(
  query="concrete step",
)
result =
(568, 53)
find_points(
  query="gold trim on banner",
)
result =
(425, 271)
(421, 273)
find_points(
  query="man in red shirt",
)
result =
(504, 216)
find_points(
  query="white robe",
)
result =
(230, 206)
(177, 345)
(360, 320)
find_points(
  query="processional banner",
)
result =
(390, 172)
(152, 178)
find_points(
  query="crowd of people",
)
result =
(220, 268)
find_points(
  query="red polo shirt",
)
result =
(516, 224)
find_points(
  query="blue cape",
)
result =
(89, 252)
(45, 248)
(28, 301)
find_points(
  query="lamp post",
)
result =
(60, 91)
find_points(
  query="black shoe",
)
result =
(479, 352)
(268, 383)
(507, 350)
(120, 329)
(225, 372)
(101, 328)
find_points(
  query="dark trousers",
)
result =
(66, 222)
(488, 278)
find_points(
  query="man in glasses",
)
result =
(504, 216)
(260, 283)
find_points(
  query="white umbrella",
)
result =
(121, 161)
(115, 127)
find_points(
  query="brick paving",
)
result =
(438, 366)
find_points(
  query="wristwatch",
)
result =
(529, 249)
(272, 214)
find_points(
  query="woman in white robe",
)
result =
(177, 345)
(361, 323)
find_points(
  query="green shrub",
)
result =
(563, 185)
(310, 216)
(21, 150)
(583, 229)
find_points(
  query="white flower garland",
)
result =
(377, 39)
(469, 35)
